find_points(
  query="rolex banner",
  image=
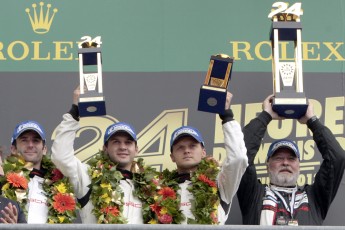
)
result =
(155, 55)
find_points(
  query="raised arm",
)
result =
(236, 160)
(254, 132)
(63, 151)
(329, 176)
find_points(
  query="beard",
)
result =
(283, 179)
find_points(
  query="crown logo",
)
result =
(41, 21)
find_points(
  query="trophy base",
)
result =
(212, 99)
(293, 108)
(91, 108)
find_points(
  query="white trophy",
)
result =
(289, 100)
(91, 100)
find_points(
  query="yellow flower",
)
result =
(61, 218)
(61, 188)
(96, 174)
(21, 160)
(152, 221)
(50, 221)
(106, 198)
(106, 185)
(214, 190)
(5, 187)
(163, 211)
(155, 197)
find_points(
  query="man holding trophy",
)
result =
(282, 202)
(117, 157)
(208, 202)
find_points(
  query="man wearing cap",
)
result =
(120, 146)
(189, 154)
(281, 202)
(28, 140)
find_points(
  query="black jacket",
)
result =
(320, 194)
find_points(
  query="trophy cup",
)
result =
(289, 100)
(91, 100)
(212, 96)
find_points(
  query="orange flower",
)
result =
(167, 192)
(111, 210)
(63, 202)
(155, 208)
(206, 180)
(17, 181)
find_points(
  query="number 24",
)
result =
(282, 7)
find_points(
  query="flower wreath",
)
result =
(59, 192)
(158, 192)
(106, 194)
(205, 192)
(161, 202)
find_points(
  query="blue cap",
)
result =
(186, 131)
(25, 126)
(283, 144)
(119, 127)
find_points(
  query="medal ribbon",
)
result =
(292, 202)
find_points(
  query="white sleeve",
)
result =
(64, 159)
(235, 163)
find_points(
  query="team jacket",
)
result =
(313, 208)
(228, 179)
(37, 207)
(64, 159)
